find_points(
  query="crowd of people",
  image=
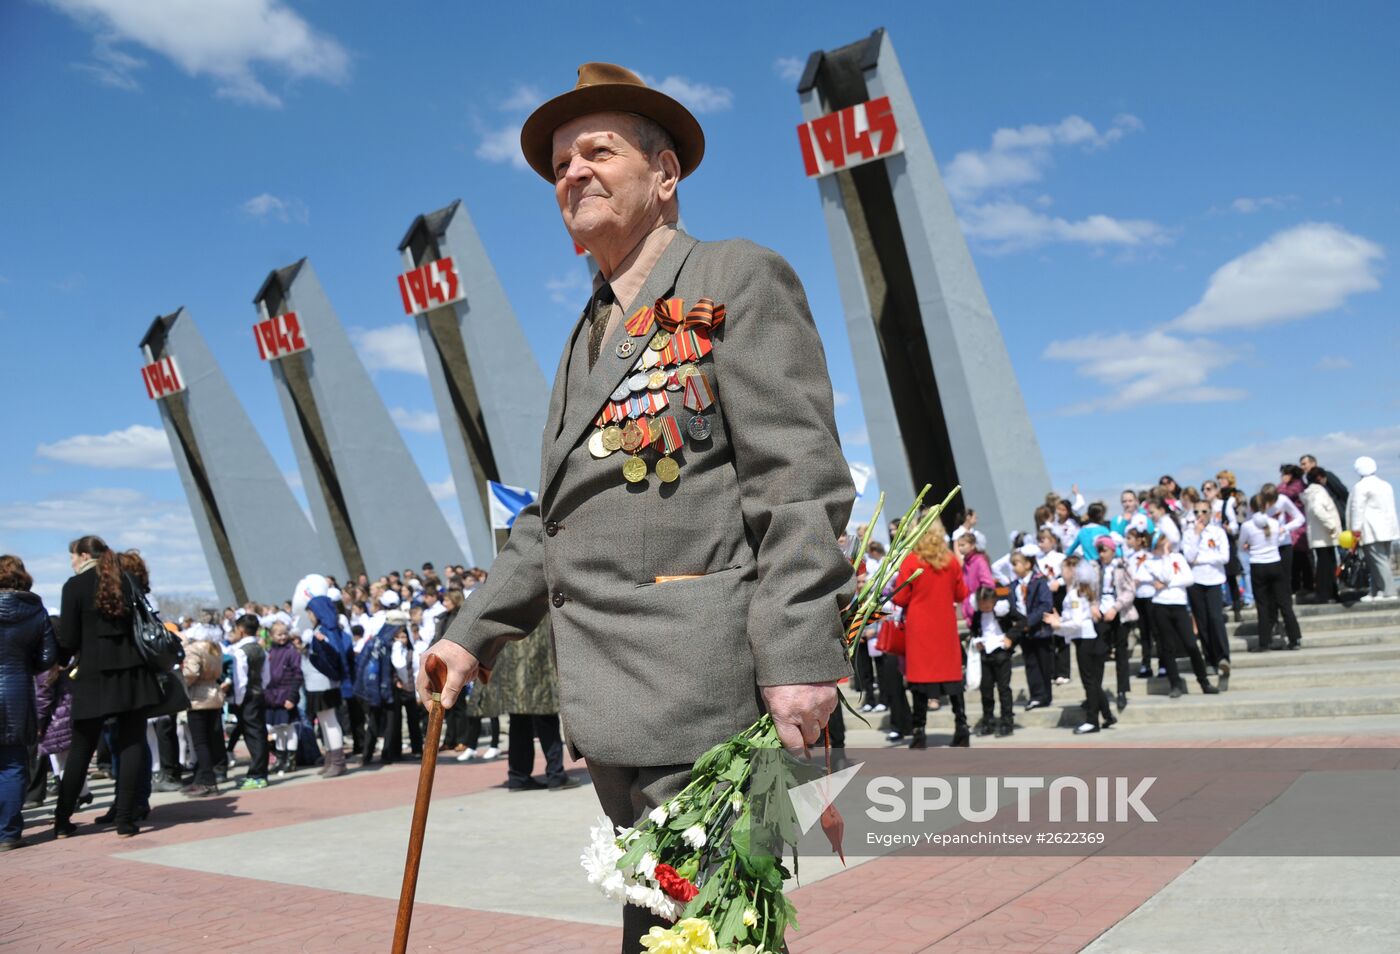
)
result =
(1083, 585)
(330, 673)
(326, 675)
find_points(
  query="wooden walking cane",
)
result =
(437, 676)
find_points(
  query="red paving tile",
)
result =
(79, 895)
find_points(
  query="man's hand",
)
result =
(1111, 613)
(800, 712)
(461, 669)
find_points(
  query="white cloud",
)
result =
(1151, 368)
(227, 40)
(391, 348)
(1009, 226)
(138, 447)
(1329, 362)
(1256, 463)
(840, 398)
(1019, 156)
(502, 145)
(112, 67)
(1303, 271)
(789, 68)
(572, 289)
(268, 206)
(699, 97)
(443, 489)
(1248, 205)
(522, 99)
(856, 438)
(420, 422)
(162, 530)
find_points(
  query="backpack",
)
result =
(374, 677)
(1354, 574)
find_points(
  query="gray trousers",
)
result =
(627, 793)
(1378, 562)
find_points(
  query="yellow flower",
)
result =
(690, 936)
(698, 932)
(750, 917)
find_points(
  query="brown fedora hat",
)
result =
(606, 87)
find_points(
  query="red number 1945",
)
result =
(849, 137)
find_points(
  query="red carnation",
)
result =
(673, 884)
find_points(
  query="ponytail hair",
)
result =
(110, 599)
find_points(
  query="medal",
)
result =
(634, 469)
(659, 340)
(641, 322)
(698, 393)
(612, 438)
(667, 470)
(673, 383)
(596, 445)
(685, 371)
(656, 380)
(699, 427)
(637, 382)
(631, 437)
(650, 359)
(625, 348)
(622, 391)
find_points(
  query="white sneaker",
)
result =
(466, 755)
(881, 707)
(894, 736)
(490, 753)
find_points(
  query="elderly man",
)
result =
(1374, 520)
(692, 485)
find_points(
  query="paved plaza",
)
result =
(315, 865)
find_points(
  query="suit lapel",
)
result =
(582, 405)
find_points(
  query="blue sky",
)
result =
(1185, 218)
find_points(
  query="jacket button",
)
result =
(551, 528)
(559, 600)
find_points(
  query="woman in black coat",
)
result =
(111, 680)
(27, 648)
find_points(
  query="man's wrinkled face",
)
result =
(604, 183)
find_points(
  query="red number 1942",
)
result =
(849, 137)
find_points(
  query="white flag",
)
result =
(860, 476)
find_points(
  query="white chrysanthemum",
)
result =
(626, 835)
(658, 815)
(750, 917)
(647, 866)
(694, 836)
(614, 886)
(600, 857)
(736, 801)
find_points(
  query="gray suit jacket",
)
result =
(655, 673)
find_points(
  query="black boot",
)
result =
(962, 738)
(985, 727)
(1006, 727)
(1208, 689)
(918, 740)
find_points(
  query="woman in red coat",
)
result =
(933, 651)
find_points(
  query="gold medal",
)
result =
(656, 380)
(631, 437)
(659, 340)
(654, 432)
(634, 469)
(686, 371)
(612, 438)
(667, 470)
(596, 446)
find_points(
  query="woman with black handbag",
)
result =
(111, 680)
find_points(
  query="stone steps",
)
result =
(1363, 615)
(1359, 698)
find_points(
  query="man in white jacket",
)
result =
(1374, 520)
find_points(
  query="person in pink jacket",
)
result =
(977, 572)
